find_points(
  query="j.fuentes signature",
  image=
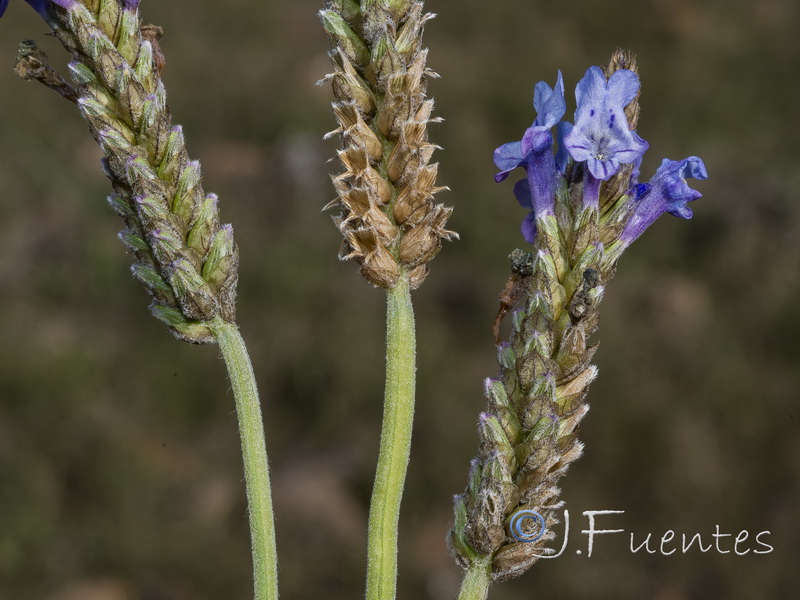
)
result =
(668, 543)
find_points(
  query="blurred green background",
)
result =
(120, 472)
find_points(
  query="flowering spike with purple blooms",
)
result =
(529, 432)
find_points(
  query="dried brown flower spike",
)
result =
(389, 220)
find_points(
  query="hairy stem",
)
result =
(254, 454)
(395, 447)
(475, 585)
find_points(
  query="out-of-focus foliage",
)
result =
(120, 473)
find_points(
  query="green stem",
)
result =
(254, 454)
(398, 416)
(476, 582)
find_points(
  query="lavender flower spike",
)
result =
(529, 429)
(666, 192)
(535, 154)
(40, 6)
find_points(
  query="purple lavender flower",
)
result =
(535, 154)
(601, 136)
(40, 6)
(668, 192)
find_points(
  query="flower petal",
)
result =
(522, 192)
(507, 158)
(624, 85)
(40, 6)
(590, 89)
(671, 175)
(536, 140)
(549, 103)
(528, 228)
